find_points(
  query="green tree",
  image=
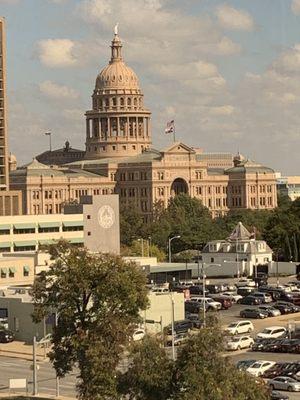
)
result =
(131, 223)
(135, 250)
(202, 373)
(149, 376)
(97, 298)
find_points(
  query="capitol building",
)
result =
(119, 158)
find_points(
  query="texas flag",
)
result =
(170, 127)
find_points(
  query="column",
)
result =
(127, 128)
(136, 127)
(108, 127)
(100, 128)
(118, 126)
(88, 130)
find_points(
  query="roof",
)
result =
(35, 168)
(145, 157)
(249, 166)
(239, 233)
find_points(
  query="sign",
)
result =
(106, 217)
(17, 384)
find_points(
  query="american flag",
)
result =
(170, 127)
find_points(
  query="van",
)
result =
(240, 327)
(182, 326)
(245, 290)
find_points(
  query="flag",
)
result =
(170, 127)
(253, 233)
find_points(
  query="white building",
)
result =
(237, 255)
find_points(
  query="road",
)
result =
(18, 368)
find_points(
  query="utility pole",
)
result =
(173, 332)
(57, 377)
(34, 380)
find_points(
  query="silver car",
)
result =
(285, 383)
(272, 311)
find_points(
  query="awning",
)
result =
(73, 223)
(24, 226)
(49, 224)
(47, 241)
(4, 271)
(25, 243)
(26, 268)
(12, 270)
(4, 227)
(76, 240)
(5, 245)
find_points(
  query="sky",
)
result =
(227, 72)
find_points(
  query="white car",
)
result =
(265, 297)
(240, 327)
(234, 297)
(239, 342)
(260, 367)
(245, 282)
(272, 332)
(210, 303)
(138, 334)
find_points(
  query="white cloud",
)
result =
(289, 61)
(222, 110)
(234, 19)
(55, 91)
(74, 114)
(55, 53)
(295, 6)
(227, 47)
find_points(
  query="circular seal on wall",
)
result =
(106, 217)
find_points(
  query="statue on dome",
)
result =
(116, 29)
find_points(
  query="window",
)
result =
(160, 175)
(89, 233)
(88, 217)
(26, 270)
(212, 259)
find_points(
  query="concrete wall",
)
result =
(161, 310)
(284, 268)
(20, 321)
(102, 224)
(12, 270)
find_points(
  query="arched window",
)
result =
(114, 100)
(129, 101)
(121, 101)
(135, 101)
(106, 102)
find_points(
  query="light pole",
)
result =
(142, 245)
(49, 134)
(203, 288)
(149, 244)
(170, 252)
(173, 332)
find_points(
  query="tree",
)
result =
(97, 298)
(149, 376)
(131, 223)
(135, 250)
(202, 373)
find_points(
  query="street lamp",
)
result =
(170, 240)
(203, 288)
(49, 134)
(149, 246)
(142, 244)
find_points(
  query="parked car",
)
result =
(238, 327)
(265, 297)
(290, 346)
(272, 311)
(285, 383)
(261, 278)
(253, 313)
(286, 307)
(179, 339)
(245, 282)
(192, 307)
(225, 302)
(274, 346)
(214, 288)
(245, 290)
(278, 396)
(212, 305)
(277, 370)
(182, 326)
(138, 334)
(198, 290)
(244, 364)
(259, 344)
(239, 342)
(6, 336)
(259, 367)
(194, 318)
(272, 332)
(233, 296)
(250, 300)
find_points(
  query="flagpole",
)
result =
(174, 138)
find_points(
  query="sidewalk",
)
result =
(21, 350)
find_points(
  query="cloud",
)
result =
(234, 19)
(295, 6)
(9, 1)
(289, 61)
(74, 114)
(57, 53)
(55, 91)
(222, 110)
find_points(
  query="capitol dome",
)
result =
(117, 75)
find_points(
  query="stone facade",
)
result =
(119, 159)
